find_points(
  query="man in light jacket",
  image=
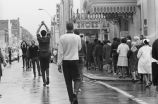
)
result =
(68, 57)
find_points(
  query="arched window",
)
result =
(131, 9)
(104, 9)
(98, 9)
(127, 8)
(95, 9)
(101, 10)
(111, 9)
(107, 9)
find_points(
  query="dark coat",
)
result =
(155, 50)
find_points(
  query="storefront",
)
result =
(114, 18)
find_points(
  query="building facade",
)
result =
(66, 10)
(105, 19)
(149, 18)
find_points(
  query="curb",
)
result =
(99, 81)
(95, 77)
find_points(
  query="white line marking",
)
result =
(122, 92)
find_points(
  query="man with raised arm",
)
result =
(44, 52)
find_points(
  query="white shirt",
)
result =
(69, 46)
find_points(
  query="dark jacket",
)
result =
(98, 50)
(1, 57)
(114, 47)
(155, 49)
(106, 52)
(83, 51)
(44, 43)
(33, 51)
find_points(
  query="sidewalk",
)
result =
(104, 76)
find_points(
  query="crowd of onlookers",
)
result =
(124, 57)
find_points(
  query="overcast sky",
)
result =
(27, 11)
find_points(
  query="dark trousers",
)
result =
(24, 60)
(10, 59)
(44, 62)
(114, 62)
(71, 73)
(155, 73)
(35, 61)
(99, 61)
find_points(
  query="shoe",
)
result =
(44, 84)
(74, 101)
(47, 83)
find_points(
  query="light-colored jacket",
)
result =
(145, 60)
(122, 50)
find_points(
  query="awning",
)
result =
(114, 9)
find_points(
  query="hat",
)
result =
(146, 41)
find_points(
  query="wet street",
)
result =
(20, 87)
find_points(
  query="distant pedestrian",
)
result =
(34, 58)
(68, 57)
(10, 55)
(155, 64)
(28, 59)
(122, 63)
(24, 50)
(2, 61)
(145, 60)
(44, 52)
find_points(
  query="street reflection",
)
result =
(45, 96)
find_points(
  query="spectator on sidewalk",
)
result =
(89, 55)
(133, 60)
(82, 53)
(44, 52)
(98, 53)
(68, 57)
(106, 55)
(122, 63)
(114, 54)
(144, 63)
(34, 58)
(93, 53)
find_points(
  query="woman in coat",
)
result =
(122, 63)
(145, 60)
